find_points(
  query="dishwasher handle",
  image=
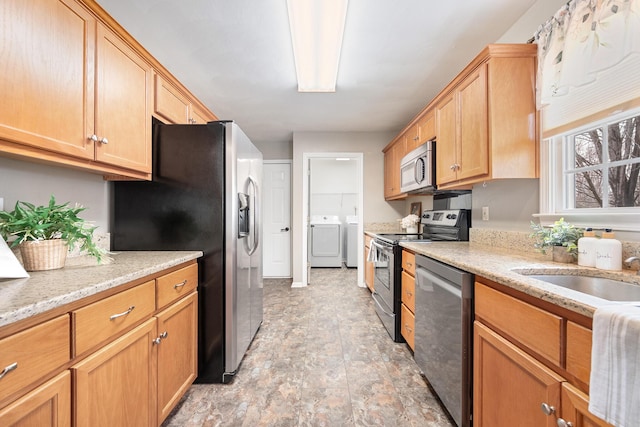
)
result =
(426, 280)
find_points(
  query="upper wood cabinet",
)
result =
(486, 119)
(172, 105)
(73, 90)
(392, 156)
(123, 104)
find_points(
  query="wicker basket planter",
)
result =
(40, 255)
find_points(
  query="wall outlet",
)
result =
(485, 213)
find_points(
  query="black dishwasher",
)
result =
(444, 334)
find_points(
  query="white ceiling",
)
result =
(236, 57)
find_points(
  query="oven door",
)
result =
(384, 286)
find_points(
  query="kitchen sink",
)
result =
(609, 289)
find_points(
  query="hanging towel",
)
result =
(614, 389)
(372, 256)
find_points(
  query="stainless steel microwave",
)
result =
(417, 170)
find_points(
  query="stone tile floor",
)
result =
(320, 358)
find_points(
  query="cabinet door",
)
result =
(47, 82)
(47, 405)
(509, 386)
(123, 107)
(388, 173)
(169, 102)
(575, 409)
(473, 152)
(411, 139)
(116, 386)
(446, 140)
(177, 352)
(427, 127)
(199, 117)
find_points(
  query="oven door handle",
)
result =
(373, 295)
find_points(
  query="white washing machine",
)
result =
(325, 241)
(351, 241)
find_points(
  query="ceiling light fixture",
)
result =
(317, 27)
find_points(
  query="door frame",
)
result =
(290, 163)
(304, 223)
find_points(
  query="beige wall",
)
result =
(276, 150)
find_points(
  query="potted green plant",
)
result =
(44, 233)
(562, 237)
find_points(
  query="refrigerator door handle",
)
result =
(254, 217)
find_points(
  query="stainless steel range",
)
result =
(386, 253)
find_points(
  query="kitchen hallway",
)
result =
(321, 358)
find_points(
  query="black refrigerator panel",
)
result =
(182, 208)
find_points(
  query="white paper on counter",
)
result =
(10, 267)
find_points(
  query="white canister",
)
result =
(587, 248)
(609, 252)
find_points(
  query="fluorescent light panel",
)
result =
(317, 27)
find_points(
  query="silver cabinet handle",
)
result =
(179, 285)
(160, 337)
(93, 138)
(8, 369)
(103, 140)
(409, 293)
(408, 328)
(547, 409)
(452, 167)
(563, 423)
(409, 265)
(124, 313)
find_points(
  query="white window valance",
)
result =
(588, 60)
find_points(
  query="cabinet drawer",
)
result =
(409, 262)
(535, 328)
(408, 322)
(34, 353)
(409, 291)
(174, 286)
(579, 351)
(99, 321)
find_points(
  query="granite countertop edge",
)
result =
(509, 269)
(80, 278)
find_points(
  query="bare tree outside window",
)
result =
(605, 168)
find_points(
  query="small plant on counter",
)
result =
(28, 222)
(410, 221)
(561, 233)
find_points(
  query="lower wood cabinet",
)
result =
(531, 363)
(116, 386)
(509, 385)
(122, 360)
(177, 352)
(369, 267)
(408, 298)
(47, 406)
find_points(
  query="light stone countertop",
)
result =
(504, 267)
(81, 277)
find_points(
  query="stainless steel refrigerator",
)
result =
(204, 195)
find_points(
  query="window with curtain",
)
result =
(588, 93)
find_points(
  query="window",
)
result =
(602, 166)
(591, 175)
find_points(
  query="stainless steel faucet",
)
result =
(629, 261)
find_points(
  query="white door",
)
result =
(277, 220)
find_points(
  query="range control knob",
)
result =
(427, 216)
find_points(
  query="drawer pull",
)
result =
(8, 369)
(124, 313)
(409, 265)
(547, 409)
(408, 328)
(409, 294)
(159, 339)
(179, 285)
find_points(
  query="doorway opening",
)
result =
(332, 212)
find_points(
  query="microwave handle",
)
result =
(419, 166)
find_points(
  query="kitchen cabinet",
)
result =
(393, 154)
(411, 139)
(116, 385)
(486, 120)
(177, 353)
(173, 105)
(122, 357)
(80, 98)
(369, 267)
(148, 369)
(542, 371)
(408, 307)
(47, 406)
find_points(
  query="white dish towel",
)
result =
(614, 389)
